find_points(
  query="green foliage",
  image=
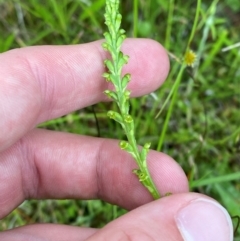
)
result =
(202, 133)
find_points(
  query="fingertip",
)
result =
(167, 174)
(205, 218)
(148, 64)
(188, 216)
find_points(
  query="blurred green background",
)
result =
(203, 132)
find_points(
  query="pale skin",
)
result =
(41, 83)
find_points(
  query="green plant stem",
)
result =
(135, 18)
(167, 99)
(214, 180)
(169, 23)
(170, 109)
(194, 27)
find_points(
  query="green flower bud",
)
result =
(123, 59)
(107, 76)
(147, 145)
(125, 80)
(119, 41)
(115, 116)
(118, 21)
(107, 19)
(123, 145)
(144, 152)
(136, 171)
(128, 118)
(122, 31)
(111, 114)
(129, 121)
(105, 46)
(126, 58)
(127, 94)
(111, 94)
(108, 37)
(109, 65)
(120, 55)
(141, 176)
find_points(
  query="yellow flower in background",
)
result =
(190, 58)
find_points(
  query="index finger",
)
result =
(41, 83)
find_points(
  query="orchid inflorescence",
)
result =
(113, 42)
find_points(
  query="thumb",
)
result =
(188, 217)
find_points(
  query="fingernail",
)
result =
(204, 220)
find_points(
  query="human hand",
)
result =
(42, 83)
